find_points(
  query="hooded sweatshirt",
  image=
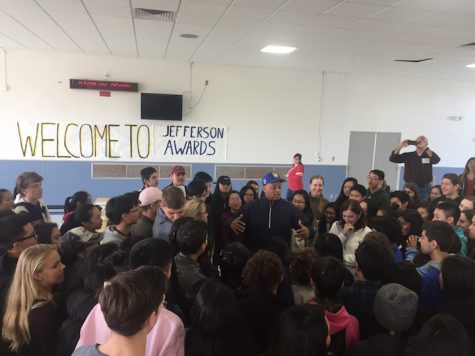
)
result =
(112, 235)
(343, 320)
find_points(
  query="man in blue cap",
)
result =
(271, 217)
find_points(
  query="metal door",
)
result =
(371, 150)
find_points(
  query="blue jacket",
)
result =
(431, 299)
(267, 219)
(162, 226)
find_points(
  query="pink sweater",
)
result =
(167, 337)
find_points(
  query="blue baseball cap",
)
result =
(272, 177)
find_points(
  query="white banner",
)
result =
(162, 142)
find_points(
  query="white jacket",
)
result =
(350, 242)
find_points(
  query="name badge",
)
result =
(425, 160)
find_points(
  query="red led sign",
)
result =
(102, 85)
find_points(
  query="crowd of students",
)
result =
(187, 271)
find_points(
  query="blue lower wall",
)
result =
(437, 171)
(62, 179)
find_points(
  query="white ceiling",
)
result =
(332, 35)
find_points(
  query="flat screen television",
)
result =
(161, 106)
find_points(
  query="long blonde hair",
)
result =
(23, 293)
(193, 208)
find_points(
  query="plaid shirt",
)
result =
(417, 169)
(359, 301)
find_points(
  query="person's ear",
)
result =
(152, 319)
(450, 220)
(37, 277)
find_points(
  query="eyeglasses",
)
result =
(34, 235)
(372, 178)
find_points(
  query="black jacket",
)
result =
(7, 270)
(267, 219)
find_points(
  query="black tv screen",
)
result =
(161, 106)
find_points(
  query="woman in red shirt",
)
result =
(295, 176)
(468, 177)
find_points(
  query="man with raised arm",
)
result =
(417, 164)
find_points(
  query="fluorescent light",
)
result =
(470, 65)
(278, 49)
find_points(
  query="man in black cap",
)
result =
(271, 217)
(218, 203)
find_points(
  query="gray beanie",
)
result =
(395, 307)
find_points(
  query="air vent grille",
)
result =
(413, 60)
(153, 14)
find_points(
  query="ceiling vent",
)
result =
(413, 60)
(152, 14)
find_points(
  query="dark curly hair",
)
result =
(300, 264)
(263, 271)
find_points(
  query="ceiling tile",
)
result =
(202, 8)
(352, 33)
(362, 35)
(377, 2)
(331, 21)
(464, 8)
(248, 12)
(310, 6)
(229, 22)
(231, 32)
(372, 25)
(276, 27)
(429, 4)
(352, 9)
(195, 19)
(440, 18)
(264, 4)
(187, 28)
(167, 5)
(295, 18)
(400, 14)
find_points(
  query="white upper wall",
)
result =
(412, 106)
(270, 113)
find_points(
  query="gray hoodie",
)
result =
(112, 235)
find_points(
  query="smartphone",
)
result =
(412, 142)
